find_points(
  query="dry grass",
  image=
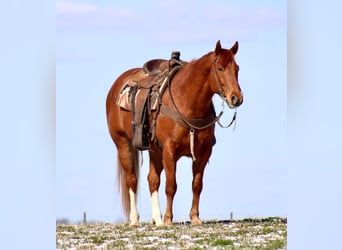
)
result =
(267, 233)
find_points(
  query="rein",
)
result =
(194, 123)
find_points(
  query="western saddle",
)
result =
(142, 94)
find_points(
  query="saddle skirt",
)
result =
(144, 86)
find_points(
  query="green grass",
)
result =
(276, 244)
(98, 240)
(223, 242)
(266, 230)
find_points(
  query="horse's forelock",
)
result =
(225, 57)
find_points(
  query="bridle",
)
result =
(217, 80)
(222, 95)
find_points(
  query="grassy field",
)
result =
(264, 233)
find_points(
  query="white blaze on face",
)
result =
(156, 214)
(133, 215)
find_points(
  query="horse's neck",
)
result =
(191, 88)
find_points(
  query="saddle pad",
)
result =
(124, 99)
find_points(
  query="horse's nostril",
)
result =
(234, 100)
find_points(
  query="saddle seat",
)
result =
(155, 66)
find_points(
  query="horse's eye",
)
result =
(220, 68)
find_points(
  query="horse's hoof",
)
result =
(158, 222)
(196, 221)
(134, 224)
(168, 222)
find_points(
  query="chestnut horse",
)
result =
(189, 94)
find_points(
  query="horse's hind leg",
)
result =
(156, 167)
(128, 179)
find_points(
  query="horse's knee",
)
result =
(132, 182)
(197, 185)
(171, 188)
(153, 182)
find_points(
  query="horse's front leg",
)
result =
(156, 167)
(198, 167)
(169, 163)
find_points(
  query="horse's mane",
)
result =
(202, 57)
(197, 62)
(224, 59)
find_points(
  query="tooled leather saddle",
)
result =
(142, 93)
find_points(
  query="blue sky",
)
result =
(97, 40)
(39, 183)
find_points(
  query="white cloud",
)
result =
(90, 17)
(63, 7)
(183, 21)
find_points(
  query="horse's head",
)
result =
(225, 71)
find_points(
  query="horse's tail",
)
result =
(122, 187)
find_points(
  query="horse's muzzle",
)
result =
(235, 101)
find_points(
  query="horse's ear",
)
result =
(218, 47)
(235, 48)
